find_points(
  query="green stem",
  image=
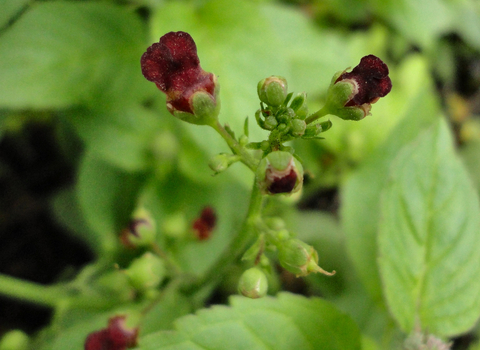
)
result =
(236, 248)
(51, 296)
(320, 113)
(31, 292)
(246, 157)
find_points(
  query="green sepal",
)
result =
(205, 108)
(299, 105)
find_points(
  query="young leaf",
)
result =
(286, 322)
(429, 238)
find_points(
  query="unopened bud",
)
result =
(313, 130)
(299, 258)
(222, 161)
(298, 127)
(253, 283)
(273, 90)
(146, 272)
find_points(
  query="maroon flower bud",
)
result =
(114, 337)
(140, 231)
(173, 65)
(370, 79)
(279, 172)
(204, 225)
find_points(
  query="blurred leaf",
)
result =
(10, 9)
(466, 20)
(470, 153)
(179, 194)
(63, 53)
(429, 238)
(422, 22)
(123, 136)
(171, 306)
(361, 192)
(68, 213)
(285, 322)
(107, 196)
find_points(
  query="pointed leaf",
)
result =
(429, 237)
(361, 193)
(286, 322)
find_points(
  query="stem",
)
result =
(31, 292)
(246, 157)
(320, 113)
(237, 246)
(51, 296)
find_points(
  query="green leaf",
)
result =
(11, 9)
(470, 153)
(123, 136)
(107, 196)
(422, 22)
(286, 322)
(429, 237)
(84, 52)
(361, 192)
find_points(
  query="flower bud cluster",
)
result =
(282, 114)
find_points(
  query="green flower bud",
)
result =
(270, 122)
(299, 258)
(253, 283)
(273, 90)
(14, 340)
(279, 172)
(298, 127)
(146, 272)
(313, 130)
(222, 161)
(299, 105)
(141, 230)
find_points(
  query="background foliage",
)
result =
(403, 227)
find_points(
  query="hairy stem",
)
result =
(246, 157)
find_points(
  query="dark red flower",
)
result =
(371, 80)
(281, 184)
(114, 337)
(173, 65)
(204, 225)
